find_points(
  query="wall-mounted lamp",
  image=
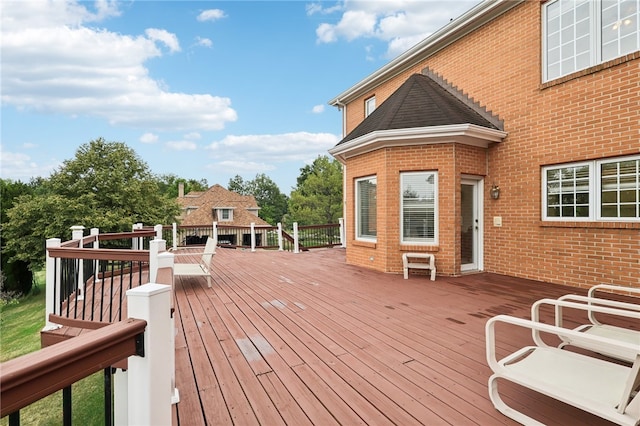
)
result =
(495, 192)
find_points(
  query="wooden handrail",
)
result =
(31, 377)
(99, 254)
(137, 233)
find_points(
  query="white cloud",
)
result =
(193, 136)
(251, 154)
(211, 15)
(204, 42)
(149, 138)
(181, 146)
(52, 63)
(170, 40)
(318, 109)
(314, 8)
(299, 146)
(401, 24)
(20, 166)
(236, 166)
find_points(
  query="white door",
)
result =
(471, 231)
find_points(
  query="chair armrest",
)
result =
(594, 300)
(612, 308)
(618, 288)
(547, 328)
(615, 289)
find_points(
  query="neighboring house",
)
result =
(508, 141)
(227, 208)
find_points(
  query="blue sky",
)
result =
(199, 89)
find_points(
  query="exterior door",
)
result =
(471, 231)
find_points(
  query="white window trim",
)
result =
(594, 191)
(219, 214)
(435, 240)
(596, 40)
(368, 108)
(598, 194)
(359, 237)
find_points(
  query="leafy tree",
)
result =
(106, 186)
(16, 275)
(272, 202)
(169, 183)
(317, 199)
(238, 185)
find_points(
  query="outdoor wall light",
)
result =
(495, 192)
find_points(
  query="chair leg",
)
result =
(505, 409)
(209, 281)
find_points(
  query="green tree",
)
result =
(317, 199)
(106, 186)
(273, 203)
(169, 183)
(16, 276)
(238, 185)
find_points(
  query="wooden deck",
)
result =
(299, 339)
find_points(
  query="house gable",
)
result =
(201, 208)
(425, 109)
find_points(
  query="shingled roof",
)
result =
(198, 207)
(424, 100)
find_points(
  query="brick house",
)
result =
(508, 141)
(218, 204)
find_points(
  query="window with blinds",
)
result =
(419, 207)
(366, 211)
(578, 34)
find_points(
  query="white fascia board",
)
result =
(467, 134)
(472, 19)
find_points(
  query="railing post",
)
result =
(215, 236)
(136, 243)
(174, 234)
(296, 241)
(252, 229)
(96, 245)
(155, 248)
(52, 271)
(158, 229)
(280, 247)
(149, 386)
(77, 233)
(343, 240)
(165, 264)
(121, 397)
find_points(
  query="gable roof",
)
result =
(425, 109)
(201, 206)
(423, 101)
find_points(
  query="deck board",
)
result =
(296, 339)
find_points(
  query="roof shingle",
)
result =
(423, 101)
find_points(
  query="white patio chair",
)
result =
(598, 293)
(593, 305)
(605, 389)
(201, 269)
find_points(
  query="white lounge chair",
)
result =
(596, 293)
(198, 269)
(605, 389)
(592, 306)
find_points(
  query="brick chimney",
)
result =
(181, 190)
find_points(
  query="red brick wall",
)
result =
(589, 115)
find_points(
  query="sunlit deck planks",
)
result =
(286, 338)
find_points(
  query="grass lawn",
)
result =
(20, 325)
